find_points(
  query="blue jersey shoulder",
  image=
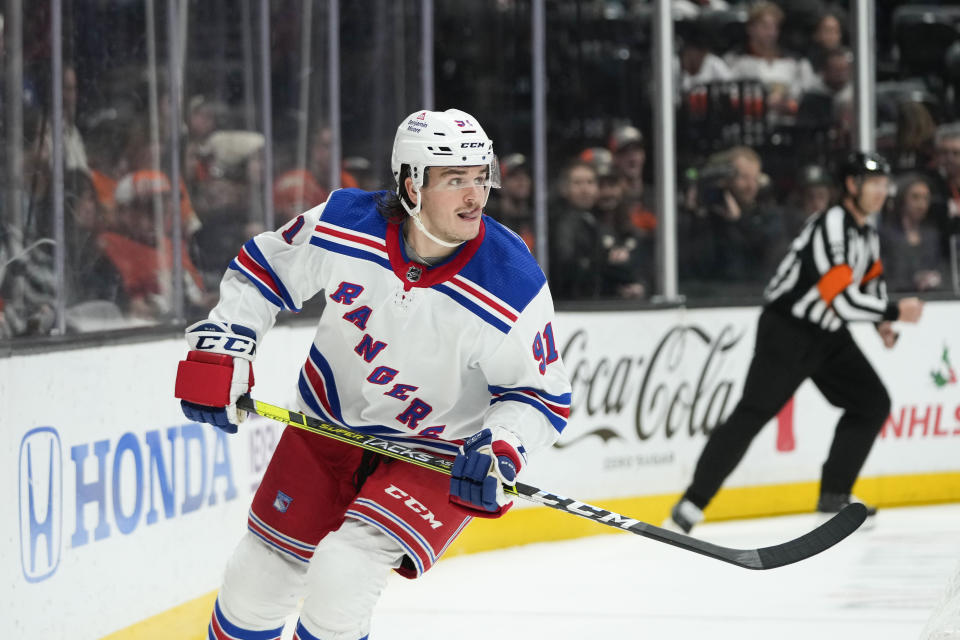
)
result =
(504, 266)
(355, 209)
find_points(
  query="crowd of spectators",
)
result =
(766, 112)
(760, 128)
(119, 211)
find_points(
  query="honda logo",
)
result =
(41, 503)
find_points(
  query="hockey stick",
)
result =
(823, 537)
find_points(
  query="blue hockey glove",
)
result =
(487, 460)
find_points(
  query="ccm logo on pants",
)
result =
(414, 505)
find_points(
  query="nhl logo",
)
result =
(413, 273)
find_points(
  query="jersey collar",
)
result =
(414, 274)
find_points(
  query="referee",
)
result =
(831, 276)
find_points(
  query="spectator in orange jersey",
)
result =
(142, 256)
(294, 192)
(138, 155)
(313, 181)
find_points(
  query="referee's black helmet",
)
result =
(860, 164)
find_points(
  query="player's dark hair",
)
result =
(390, 205)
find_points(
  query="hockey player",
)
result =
(831, 276)
(437, 332)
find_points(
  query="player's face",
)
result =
(453, 201)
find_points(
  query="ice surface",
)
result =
(880, 584)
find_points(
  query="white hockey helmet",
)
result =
(450, 138)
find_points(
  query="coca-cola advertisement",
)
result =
(648, 388)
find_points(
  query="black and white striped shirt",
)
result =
(832, 274)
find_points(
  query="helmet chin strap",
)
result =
(443, 243)
(415, 215)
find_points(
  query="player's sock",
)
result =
(683, 516)
(220, 628)
(301, 633)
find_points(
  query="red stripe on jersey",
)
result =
(316, 383)
(557, 409)
(352, 238)
(254, 267)
(486, 299)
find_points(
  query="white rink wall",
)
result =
(135, 509)
(118, 508)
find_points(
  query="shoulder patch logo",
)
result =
(282, 502)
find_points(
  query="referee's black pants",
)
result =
(787, 352)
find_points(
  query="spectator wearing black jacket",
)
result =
(732, 237)
(576, 255)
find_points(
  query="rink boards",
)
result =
(114, 498)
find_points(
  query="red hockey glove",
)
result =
(217, 371)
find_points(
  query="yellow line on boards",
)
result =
(541, 524)
(187, 621)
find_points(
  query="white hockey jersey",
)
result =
(424, 356)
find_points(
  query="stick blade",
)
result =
(810, 544)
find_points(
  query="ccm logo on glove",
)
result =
(216, 372)
(218, 337)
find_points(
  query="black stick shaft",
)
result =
(809, 544)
